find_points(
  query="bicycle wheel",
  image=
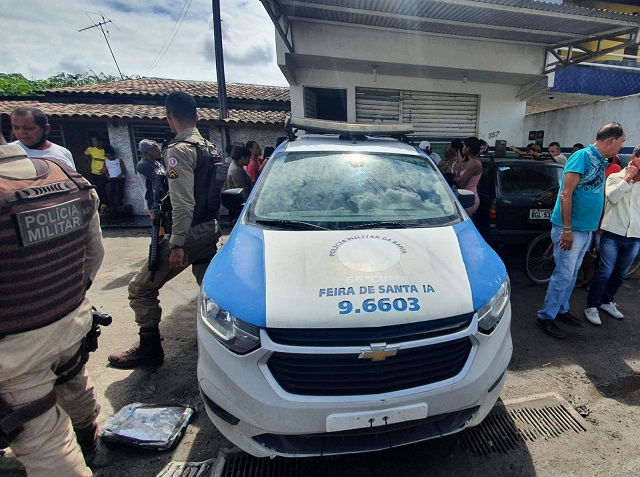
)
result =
(634, 267)
(539, 263)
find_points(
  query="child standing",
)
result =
(116, 171)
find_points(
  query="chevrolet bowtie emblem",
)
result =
(378, 352)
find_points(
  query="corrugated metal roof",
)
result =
(139, 111)
(517, 21)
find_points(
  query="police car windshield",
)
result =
(340, 190)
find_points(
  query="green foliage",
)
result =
(14, 84)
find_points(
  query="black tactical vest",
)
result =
(207, 185)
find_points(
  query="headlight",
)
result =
(491, 313)
(237, 335)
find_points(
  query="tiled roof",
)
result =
(138, 111)
(162, 87)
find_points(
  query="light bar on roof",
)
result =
(323, 126)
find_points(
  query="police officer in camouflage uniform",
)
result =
(193, 236)
(50, 251)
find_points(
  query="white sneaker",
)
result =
(612, 310)
(593, 316)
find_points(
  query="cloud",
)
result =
(140, 35)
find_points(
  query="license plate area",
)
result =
(365, 419)
(539, 214)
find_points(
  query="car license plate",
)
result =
(539, 214)
(361, 420)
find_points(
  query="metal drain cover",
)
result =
(191, 469)
(543, 416)
(244, 465)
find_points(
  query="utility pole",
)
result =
(222, 84)
(101, 25)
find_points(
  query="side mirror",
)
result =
(466, 197)
(234, 199)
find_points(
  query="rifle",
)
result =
(161, 226)
(154, 255)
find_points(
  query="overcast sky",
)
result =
(40, 38)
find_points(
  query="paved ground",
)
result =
(595, 369)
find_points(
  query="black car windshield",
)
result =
(528, 179)
(338, 190)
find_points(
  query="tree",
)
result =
(15, 84)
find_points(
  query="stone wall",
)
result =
(134, 187)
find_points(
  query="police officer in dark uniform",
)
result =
(194, 231)
(50, 251)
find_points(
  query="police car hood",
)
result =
(346, 278)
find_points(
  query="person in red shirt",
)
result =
(253, 167)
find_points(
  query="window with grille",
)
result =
(56, 135)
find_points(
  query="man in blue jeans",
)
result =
(620, 239)
(575, 217)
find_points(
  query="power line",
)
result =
(171, 37)
(101, 25)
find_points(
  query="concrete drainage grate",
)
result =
(543, 416)
(243, 465)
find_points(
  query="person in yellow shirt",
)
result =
(96, 156)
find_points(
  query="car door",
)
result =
(519, 187)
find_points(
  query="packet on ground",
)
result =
(150, 426)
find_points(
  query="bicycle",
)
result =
(539, 262)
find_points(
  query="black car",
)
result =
(512, 208)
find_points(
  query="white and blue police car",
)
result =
(354, 306)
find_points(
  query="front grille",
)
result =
(346, 375)
(315, 337)
(368, 439)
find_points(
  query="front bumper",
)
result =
(254, 412)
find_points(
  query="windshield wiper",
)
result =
(379, 225)
(294, 224)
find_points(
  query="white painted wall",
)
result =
(501, 114)
(380, 46)
(581, 123)
(336, 56)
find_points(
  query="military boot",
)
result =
(147, 353)
(87, 438)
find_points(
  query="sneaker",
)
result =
(612, 310)
(550, 328)
(569, 319)
(593, 316)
